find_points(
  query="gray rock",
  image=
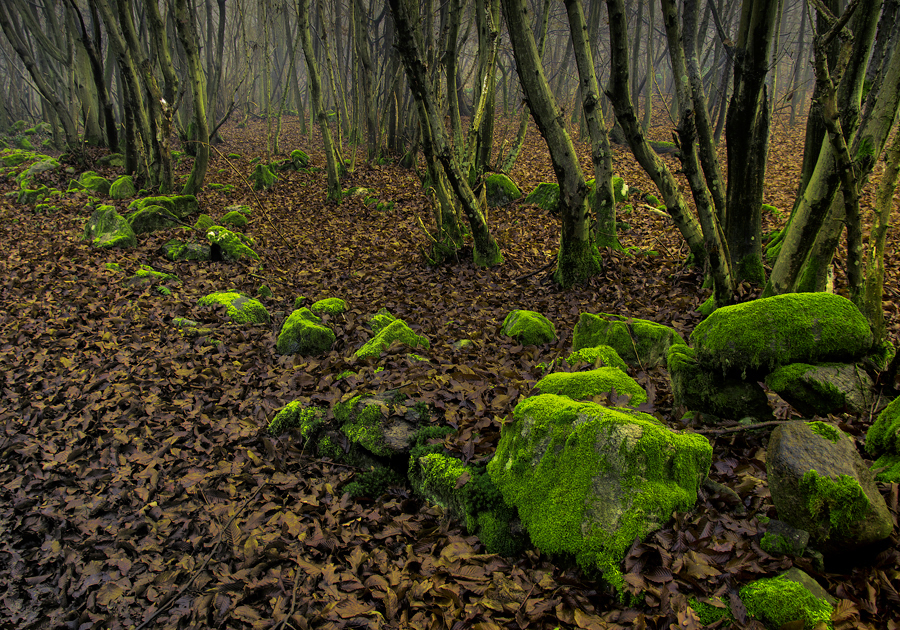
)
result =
(817, 390)
(782, 539)
(383, 424)
(824, 487)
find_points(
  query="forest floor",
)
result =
(139, 487)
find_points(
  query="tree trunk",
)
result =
(367, 73)
(188, 36)
(487, 252)
(315, 89)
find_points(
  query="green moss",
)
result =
(107, 228)
(577, 261)
(373, 483)
(586, 385)
(709, 613)
(827, 431)
(122, 188)
(766, 208)
(397, 330)
(791, 328)
(883, 437)
(751, 268)
(500, 190)
(777, 601)
(264, 291)
(841, 501)
(299, 159)
(90, 181)
(365, 429)
(203, 223)
(545, 196)
(638, 342)
(380, 321)
(529, 328)
(652, 200)
(550, 465)
(236, 219)
(303, 333)
(262, 177)
(148, 274)
(332, 306)
(295, 415)
(114, 266)
(776, 544)
(231, 243)
(891, 465)
(487, 254)
(240, 308)
(604, 355)
(326, 447)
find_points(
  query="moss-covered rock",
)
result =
(114, 160)
(239, 207)
(152, 218)
(148, 275)
(44, 165)
(122, 188)
(598, 356)
(699, 389)
(771, 332)
(380, 320)
(203, 223)
(587, 480)
(640, 343)
(176, 250)
(500, 190)
(397, 330)
(235, 219)
(545, 196)
(303, 333)
(782, 539)
(883, 442)
(231, 244)
(295, 162)
(332, 306)
(262, 177)
(384, 425)
(825, 488)
(240, 308)
(107, 228)
(620, 189)
(586, 385)
(818, 390)
(297, 415)
(778, 601)
(90, 181)
(29, 196)
(528, 328)
(181, 206)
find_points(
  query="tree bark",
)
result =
(188, 36)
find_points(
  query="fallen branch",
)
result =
(744, 427)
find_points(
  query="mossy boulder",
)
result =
(587, 479)
(146, 275)
(640, 343)
(818, 390)
(90, 181)
(107, 228)
(699, 389)
(45, 165)
(436, 478)
(240, 308)
(176, 250)
(586, 385)
(303, 333)
(883, 442)
(262, 177)
(122, 188)
(17, 157)
(152, 218)
(384, 425)
(332, 306)
(397, 330)
(794, 328)
(599, 356)
(381, 320)
(528, 328)
(297, 415)
(777, 601)
(114, 160)
(545, 196)
(203, 223)
(824, 487)
(231, 244)
(500, 190)
(236, 219)
(181, 206)
(295, 162)
(29, 196)
(239, 207)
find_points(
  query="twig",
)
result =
(173, 596)
(746, 427)
(284, 621)
(534, 273)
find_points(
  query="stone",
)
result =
(640, 343)
(262, 177)
(240, 308)
(883, 442)
(152, 218)
(782, 539)
(237, 219)
(707, 391)
(295, 162)
(778, 601)
(764, 334)
(545, 196)
(176, 250)
(90, 181)
(181, 206)
(107, 228)
(383, 424)
(303, 333)
(397, 330)
(114, 160)
(586, 385)
(824, 487)
(232, 244)
(599, 356)
(297, 415)
(500, 190)
(528, 328)
(332, 306)
(818, 390)
(587, 479)
(380, 321)
(122, 188)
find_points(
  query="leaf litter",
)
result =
(140, 488)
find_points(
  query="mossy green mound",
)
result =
(587, 479)
(236, 219)
(332, 306)
(151, 219)
(599, 356)
(262, 177)
(240, 308)
(303, 333)
(179, 205)
(792, 328)
(640, 343)
(176, 250)
(545, 196)
(883, 442)
(115, 160)
(586, 385)
(397, 330)
(528, 328)
(500, 190)
(296, 415)
(122, 188)
(107, 228)
(778, 601)
(90, 181)
(233, 246)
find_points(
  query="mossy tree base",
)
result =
(577, 262)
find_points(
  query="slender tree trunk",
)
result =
(188, 36)
(367, 73)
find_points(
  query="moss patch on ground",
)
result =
(240, 308)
